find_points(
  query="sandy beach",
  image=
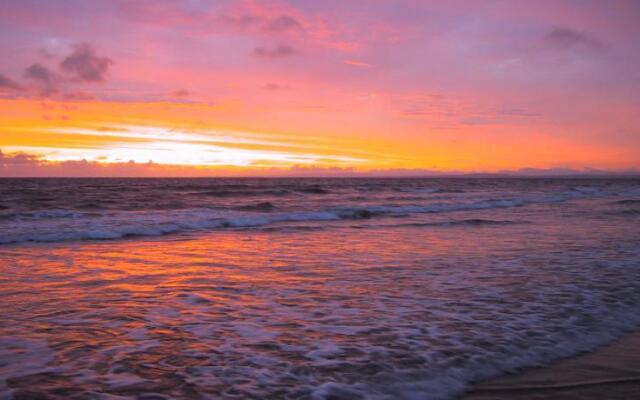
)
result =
(611, 372)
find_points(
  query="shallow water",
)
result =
(338, 289)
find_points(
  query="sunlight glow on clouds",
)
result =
(458, 85)
(164, 146)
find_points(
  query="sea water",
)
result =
(306, 288)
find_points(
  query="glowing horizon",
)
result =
(249, 87)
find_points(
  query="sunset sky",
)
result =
(193, 87)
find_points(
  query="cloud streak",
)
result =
(47, 80)
(272, 86)
(567, 38)
(279, 51)
(8, 84)
(278, 24)
(283, 23)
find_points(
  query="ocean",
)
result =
(395, 288)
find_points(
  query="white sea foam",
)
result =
(60, 226)
(401, 315)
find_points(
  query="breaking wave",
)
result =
(58, 225)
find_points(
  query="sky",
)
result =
(208, 88)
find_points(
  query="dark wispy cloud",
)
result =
(274, 86)
(181, 93)
(279, 51)
(78, 95)
(48, 81)
(241, 21)
(282, 23)
(517, 112)
(8, 84)
(7, 160)
(566, 38)
(84, 65)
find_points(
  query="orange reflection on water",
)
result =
(278, 313)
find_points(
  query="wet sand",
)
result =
(612, 372)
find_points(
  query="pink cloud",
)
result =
(355, 63)
(560, 68)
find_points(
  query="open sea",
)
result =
(339, 288)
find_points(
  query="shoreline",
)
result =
(611, 372)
